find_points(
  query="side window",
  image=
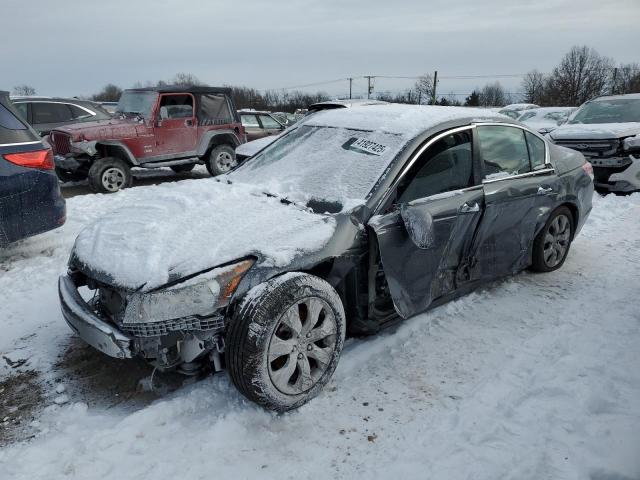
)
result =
(43, 112)
(249, 121)
(22, 108)
(504, 151)
(445, 166)
(9, 121)
(176, 106)
(268, 122)
(214, 110)
(536, 151)
(79, 113)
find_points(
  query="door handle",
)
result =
(544, 191)
(466, 208)
(188, 122)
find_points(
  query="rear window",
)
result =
(9, 121)
(43, 112)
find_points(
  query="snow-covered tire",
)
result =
(184, 168)
(551, 245)
(109, 174)
(221, 160)
(266, 357)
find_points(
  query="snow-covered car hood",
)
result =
(596, 131)
(249, 149)
(194, 227)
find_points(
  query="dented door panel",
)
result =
(417, 275)
(515, 210)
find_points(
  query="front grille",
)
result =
(592, 148)
(154, 329)
(61, 143)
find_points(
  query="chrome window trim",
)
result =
(19, 143)
(520, 175)
(90, 112)
(415, 157)
(547, 159)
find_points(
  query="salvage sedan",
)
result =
(350, 221)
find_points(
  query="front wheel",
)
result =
(221, 160)
(284, 342)
(551, 246)
(108, 175)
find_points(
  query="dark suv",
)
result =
(30, 199)
(45, 114)
(175, 127)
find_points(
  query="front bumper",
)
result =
(618, 174)
(91, 328)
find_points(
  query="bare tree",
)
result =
(492, 95)
(187, 79)
(24, 90)
(110, 93)
(582, 75)
(626, 79)
(424, 89)
(533, 85)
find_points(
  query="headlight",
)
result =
(201, 295)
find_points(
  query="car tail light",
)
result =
(588, 169)
(42, 159)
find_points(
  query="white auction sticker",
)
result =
(365, 146)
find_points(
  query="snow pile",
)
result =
(534, 377)
(196, 226)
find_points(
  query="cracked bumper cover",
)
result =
(92, 329)
(626, 181)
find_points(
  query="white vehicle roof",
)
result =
(520, 106)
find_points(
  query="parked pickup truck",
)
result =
(174, 126)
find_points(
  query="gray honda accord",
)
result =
(353, 220)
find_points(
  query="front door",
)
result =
(425, 235)
(176, 126)
(270, 125)
(252, 127)
(519, 190)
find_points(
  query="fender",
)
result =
(207, 137)
(128, 156)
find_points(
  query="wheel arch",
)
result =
(214, 138)
(116, 149)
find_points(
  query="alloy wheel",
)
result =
(225, 162)
(113, 179)
(556, 240)
(302, 346)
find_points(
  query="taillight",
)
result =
(42, 159)
(588, 169)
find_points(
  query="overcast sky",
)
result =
(74, 47)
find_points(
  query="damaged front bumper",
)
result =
(91, 328)
(617, 174)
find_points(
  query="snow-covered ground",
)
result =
(533, 377)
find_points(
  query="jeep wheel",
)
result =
(284, 342)
(108, 175)
(221, 159)
(184, 168)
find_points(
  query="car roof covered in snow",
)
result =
(182, 89)
(629, 96)
(406, 120)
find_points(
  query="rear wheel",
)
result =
(110, 174)
(283, 345)
(184, 168)
(551, 246)
(221, 160)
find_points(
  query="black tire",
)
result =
(542, 260)
(184, 168)
(222, 159)
(261, 318)
(109, 174)
(68, 176)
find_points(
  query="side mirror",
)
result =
(419, 224)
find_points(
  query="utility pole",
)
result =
(435, 84)
(369, 87)
(350, 84)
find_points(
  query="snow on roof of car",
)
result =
(520, 106)
(405, 120)
(628, 96)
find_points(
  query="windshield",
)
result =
(139, 103)
(608, 111)
(329, 164)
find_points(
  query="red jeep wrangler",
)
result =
(175, 127)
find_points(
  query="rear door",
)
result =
(425, 234)
(48, 115)
(520, 189)
(176, 129)
(252, 126)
